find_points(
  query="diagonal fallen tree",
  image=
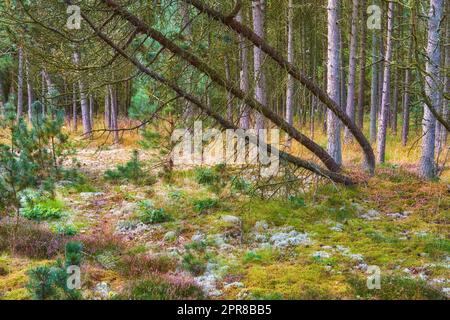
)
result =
(297, 74)
(196, 62)
(310, 166)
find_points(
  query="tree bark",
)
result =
(74, 109)
(244, 118)
(258, 60)
(230, 107)
(427, 162)
(114, 113)
(352, 69)
(85, 116)
(374, 103)
(362, 69)
(91, 109)
(385, 99)
(29, 90)
(290, 80)
(107, 109)
(20, 84)
(406, 95)
(333, 83)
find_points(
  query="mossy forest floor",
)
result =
(217, 242)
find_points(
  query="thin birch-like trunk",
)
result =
(258, 59)
(350, 106)
(20, 84)
(290, 80)
(427, 161)
(333, 82)
(385, 98)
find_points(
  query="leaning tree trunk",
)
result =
(258, 59)
(322, 172)
(299, 75)
(87, 128)
(350, 109)
(244, 117)
(385, 103)
(290, 80)
(333, 82)
(20, 84)
(427, 162)
(204, 67)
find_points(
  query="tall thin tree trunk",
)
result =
(406, 95)
(107, 109)
(230, 107)
(362, 69)
(427, 162)
(187, 28)
(290, 80)
(20, 84)
(85, 116)
(91, 109)
(445, 101)
(2, 97)
(333, 82)
(385, 103)
(441, 132)
(244, 111)
(258, 59)
(74, 109)
(374, 103)
(350, 106)
(114, 113)
(29, 90)
(43, 94)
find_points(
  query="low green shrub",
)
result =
(194, 264)
(132, 171)
(297, 202)
(155, 216)
(206, 176)
(41, 212)
(239, 184)
(205, 205)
